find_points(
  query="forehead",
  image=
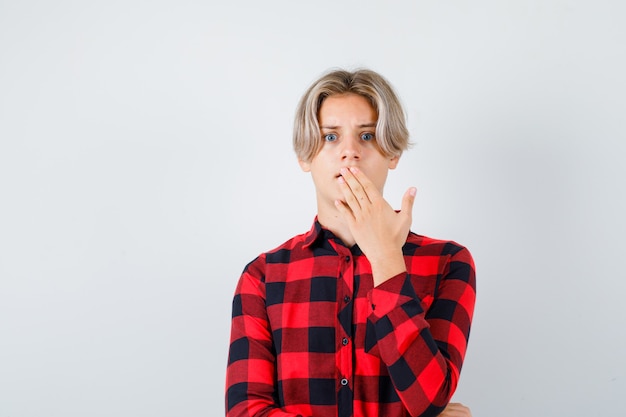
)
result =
(347, 107)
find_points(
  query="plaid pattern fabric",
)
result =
(311, 336)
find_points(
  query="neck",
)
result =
(331, 219)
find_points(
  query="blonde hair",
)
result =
(392, 136)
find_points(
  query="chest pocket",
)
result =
(425, 289)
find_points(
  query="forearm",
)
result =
(423, 341)
(423, 378)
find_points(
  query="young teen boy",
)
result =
(359, 316)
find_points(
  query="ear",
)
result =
(393, 162)
(305, 166)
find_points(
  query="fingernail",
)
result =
(413, 191)
(341, 180)
(343, 170)
(354, 169)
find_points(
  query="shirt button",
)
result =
(344, 382)
(344, 341)
(346, 299)
(347, 258)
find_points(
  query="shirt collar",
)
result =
(321, 237)
(314, 234)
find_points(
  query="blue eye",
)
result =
(367, 136)
(331, 137)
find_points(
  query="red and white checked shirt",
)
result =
(311, 336)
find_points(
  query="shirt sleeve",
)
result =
(423, 342)
(250, 375)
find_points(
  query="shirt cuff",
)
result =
(390, 295)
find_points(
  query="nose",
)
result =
(351, 149)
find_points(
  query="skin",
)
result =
(456, 410)
(349, 174)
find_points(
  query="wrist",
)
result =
(386, 267)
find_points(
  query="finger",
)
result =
(344, 210)
(456, 410)
(351, 200)
(362, 188)
(407, 202)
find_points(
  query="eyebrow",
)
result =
(371, 124)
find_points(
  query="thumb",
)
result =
(407, 201)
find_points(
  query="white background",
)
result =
(145, 158)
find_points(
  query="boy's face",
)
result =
(348, 129)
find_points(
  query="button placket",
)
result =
(346, 281)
